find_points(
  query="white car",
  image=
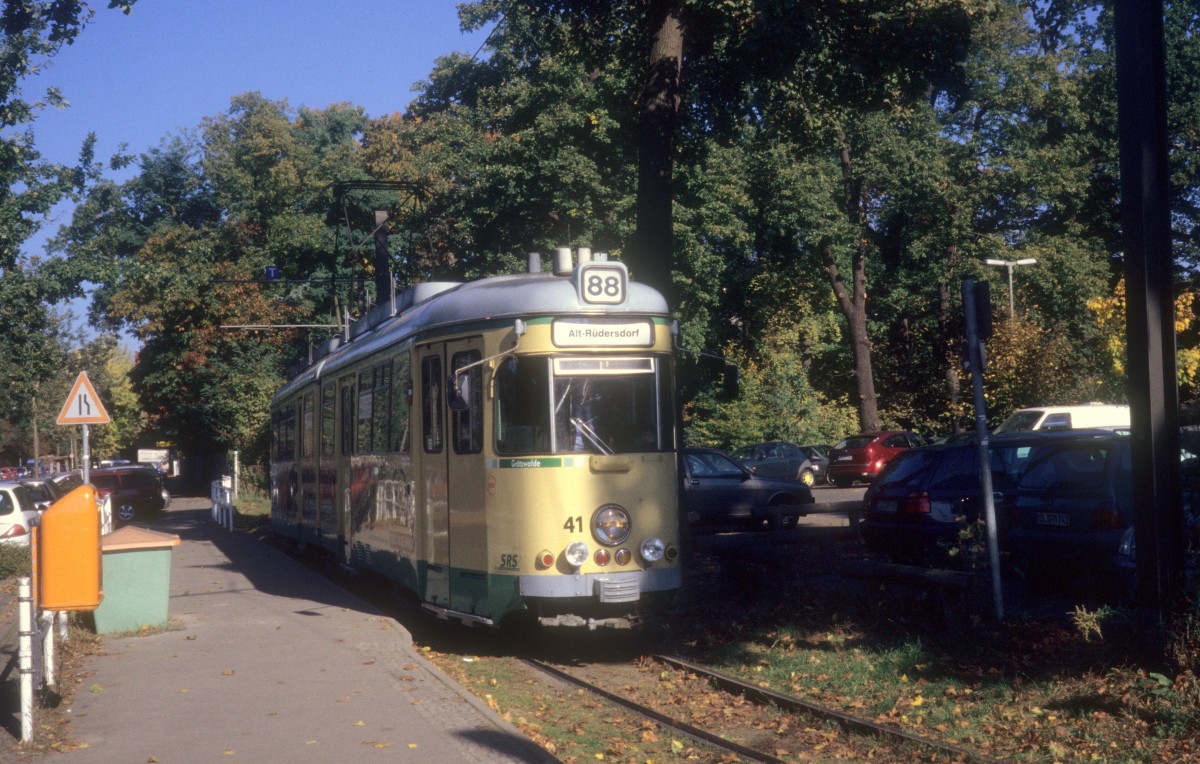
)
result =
(18, 515)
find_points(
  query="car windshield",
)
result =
(710, 464)
(1073, 466)
(861, 441)
(24, 499)
(908, 468)
(597, 405)
(1020, 421)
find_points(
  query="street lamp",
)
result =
(1010, 264)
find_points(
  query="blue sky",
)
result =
(170, 63)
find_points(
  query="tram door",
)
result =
(344, 448)
(453, 475)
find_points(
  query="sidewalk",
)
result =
(273, 663)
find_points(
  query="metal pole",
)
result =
(87, 456)
(25, 655)
(975, 363)
(1012, 304)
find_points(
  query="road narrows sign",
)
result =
(83, 406)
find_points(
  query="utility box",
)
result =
(69, 568)
(137, 579)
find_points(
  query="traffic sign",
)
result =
(83, 406)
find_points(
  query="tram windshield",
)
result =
(594, 405)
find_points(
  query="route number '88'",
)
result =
(602, 284)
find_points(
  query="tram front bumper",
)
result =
(605, 587)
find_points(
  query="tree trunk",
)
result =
(854, 301)
(950, 355)
(653, 243)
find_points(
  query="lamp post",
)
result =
(1010, 264)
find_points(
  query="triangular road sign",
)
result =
(83, 406)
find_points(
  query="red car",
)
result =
(8, 473)
(859, 458)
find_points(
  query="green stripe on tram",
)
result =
(535, 462)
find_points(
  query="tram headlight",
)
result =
(611, 525)
(577, 554)
(652, 549)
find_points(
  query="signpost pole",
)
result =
(87, 455)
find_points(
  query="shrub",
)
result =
(14, 561)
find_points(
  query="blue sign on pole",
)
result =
(273, 273)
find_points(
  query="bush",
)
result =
(15, 561)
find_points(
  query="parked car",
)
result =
(782, 460)
(818, 455)
(1090, 415)
(18, 515)
(43, 490)
(859, 458)
(1073, 505)
(67, 481)
(9, 473)
(920, 507)
(136, 492)
(717, 491)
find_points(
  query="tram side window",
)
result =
(328, 400)
(366, 414)
(401, 400)
(522, 407)
(467, 425)
(431, 403)
(347, 419)
(306, 432)
(287, 450)
(383, 408)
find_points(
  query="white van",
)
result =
(1091, 415)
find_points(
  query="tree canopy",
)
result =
(834, 170)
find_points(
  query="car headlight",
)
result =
(652, 549)
(611, 525)
(577, 554)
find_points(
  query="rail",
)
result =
(222, 502)
(36, 658)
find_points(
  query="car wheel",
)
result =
(807, 477)
(125, 512)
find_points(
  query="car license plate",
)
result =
(1058, 519)
(886, 505)
(844, 458)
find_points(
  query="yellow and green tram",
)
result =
(502, 447)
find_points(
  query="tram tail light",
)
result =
(602, 557)
(545, 559)
(671, 554)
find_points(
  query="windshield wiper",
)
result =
(591, 435)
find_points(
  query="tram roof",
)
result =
(431, 306)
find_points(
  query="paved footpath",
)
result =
(271, 662)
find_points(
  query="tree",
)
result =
(180, 247)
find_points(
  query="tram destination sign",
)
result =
(602, 332)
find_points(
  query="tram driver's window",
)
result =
(522, 406)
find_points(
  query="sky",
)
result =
(166, 66)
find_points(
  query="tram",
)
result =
(502, 448)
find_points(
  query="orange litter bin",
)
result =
(69, 564)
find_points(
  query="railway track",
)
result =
(854, 724)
